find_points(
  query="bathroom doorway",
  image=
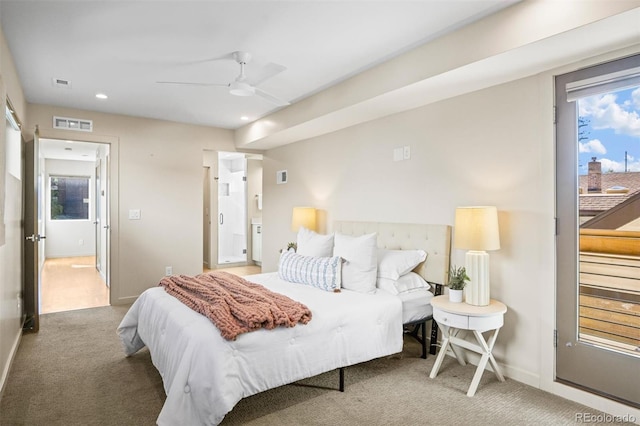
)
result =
(232, 208)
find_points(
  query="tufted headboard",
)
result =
(434, 239)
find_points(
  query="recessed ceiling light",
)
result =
(101, 96)
(244, 118)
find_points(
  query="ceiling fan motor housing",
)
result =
(241, 57)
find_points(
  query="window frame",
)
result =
(88, 204)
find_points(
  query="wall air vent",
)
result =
(61, 83)
(67, 123)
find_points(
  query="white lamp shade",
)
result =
(303, 216)
(476, 228)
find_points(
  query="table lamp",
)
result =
(476, 230)
(303, 216)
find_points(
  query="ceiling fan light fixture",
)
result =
(239, 88)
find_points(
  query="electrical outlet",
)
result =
(168, 270)
(406, 152)
(80, 242)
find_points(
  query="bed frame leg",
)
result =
(434, 326)
(423, 326)
(341, 371)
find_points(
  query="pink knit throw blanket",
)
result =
(234, 304)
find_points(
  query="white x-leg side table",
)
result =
(455, 319)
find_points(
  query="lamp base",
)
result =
(476, 292)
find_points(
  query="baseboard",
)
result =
(579, 396)
(613, 408)
(7, 367)
(125, 300)
(514, 373)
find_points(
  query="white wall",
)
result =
(11, 251)
(68, 238)
(495, 158)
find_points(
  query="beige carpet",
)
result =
(74, 373)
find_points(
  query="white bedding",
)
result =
(416, 305)
(205, 376)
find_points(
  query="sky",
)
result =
(613, 128)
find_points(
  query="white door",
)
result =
(97, 214)
(101, 222)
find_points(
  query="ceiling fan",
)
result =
(243, 86)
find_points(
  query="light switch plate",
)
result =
(397, 154)
(134, 214)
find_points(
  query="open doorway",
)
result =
(74, 202)
(232, 212)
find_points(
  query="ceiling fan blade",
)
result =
(191, 83)
(266, 72)
(215, 58)
(270, 97)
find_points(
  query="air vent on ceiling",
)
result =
(61, 83)
(67, 123)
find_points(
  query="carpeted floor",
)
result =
(73, 372)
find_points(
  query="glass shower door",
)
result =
(232, 208)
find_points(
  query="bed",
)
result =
(204, 375)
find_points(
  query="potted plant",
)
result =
(457, 280)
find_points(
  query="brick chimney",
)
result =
(594, 180)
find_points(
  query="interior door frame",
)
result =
(206, 216)
(579, 364)
(112, 217)
(97, 206)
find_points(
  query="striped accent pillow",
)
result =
(321, 272)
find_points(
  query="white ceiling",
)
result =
(56, 149)
(122, 48)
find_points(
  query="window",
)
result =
(70, 197)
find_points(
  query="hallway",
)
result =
(71, 283)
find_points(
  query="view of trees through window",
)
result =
(609, 202)
(69, 197)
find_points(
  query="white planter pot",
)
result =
(455, 295)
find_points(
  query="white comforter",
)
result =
(205, 375)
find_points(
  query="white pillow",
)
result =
(313, 244)
(360, 255)
(395, 263)
(320, 272)
(405, 284)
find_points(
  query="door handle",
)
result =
(34, 238)
(106, 227)
(221, 219)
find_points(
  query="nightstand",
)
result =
(456, 319)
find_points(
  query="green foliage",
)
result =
(457, 278)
